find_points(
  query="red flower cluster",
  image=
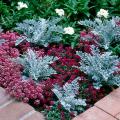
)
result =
(86, 40)
(11, 79)
(11, 73)
(91, 94)
(67, 59)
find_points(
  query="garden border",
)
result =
(14, 110)
(108, 108)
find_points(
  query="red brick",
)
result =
(35, 116)
(4, 97)
(14, 111)
(110, 103)
(94, 113)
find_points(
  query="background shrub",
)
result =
(74, 10)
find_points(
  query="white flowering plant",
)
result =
(69, 30)
(21, 5)
(103, 13)
(60, 12)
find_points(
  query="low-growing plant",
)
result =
(101, 67)
(40, 32)
(67, 96)
(107, 30)
(57, 112)
(36, 67)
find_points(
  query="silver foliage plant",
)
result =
(1, 40)
(100, 66)
(37, 67)
(67, 96)
(1, 29)
(40, 31)
(106, 29)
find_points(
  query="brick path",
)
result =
(106, 109)
(13, 110)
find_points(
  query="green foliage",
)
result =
(113, 6)
(116, 50)
(56, 114)
(37, 8)
(40, 32)
(74, 9)
(100, 67)
(10, 15)
(36, 67)
(4, 9)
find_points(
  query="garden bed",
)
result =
(38, 94)
(59, 70)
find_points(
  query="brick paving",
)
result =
(107, 108)
(14, 110)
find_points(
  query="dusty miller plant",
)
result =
(1, 40)
(106, 29)
(101, 67)
(1, 29)
(40, 32)
(67, 96)
(37, 67)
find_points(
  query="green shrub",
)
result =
(74, 9)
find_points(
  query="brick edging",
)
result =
(107, 108)
(14, 110)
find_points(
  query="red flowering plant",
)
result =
(10, 77)
(87, 38)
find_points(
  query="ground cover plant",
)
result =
(46, 61)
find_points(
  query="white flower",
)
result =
(21, 5)
(69, 30)
(60, 12)
(103, 13)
